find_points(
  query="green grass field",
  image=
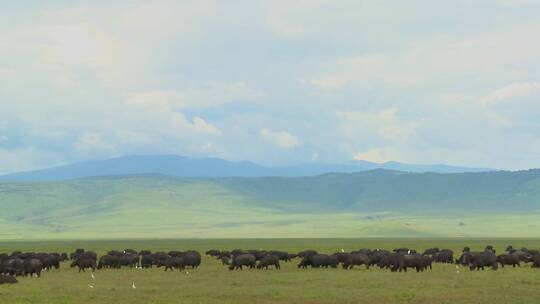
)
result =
(149, 207)
(213, 283)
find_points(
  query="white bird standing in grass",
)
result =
(133, 286)
(457, 268)
(92, 275)
(91, 286)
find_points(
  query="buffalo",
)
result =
(356, 259)
(109, 261)
(241, 260)
(84, 264)
(173, 263)
(535, 261)
(32, 266)
(318, 261)
(508, 259)
(269, 260)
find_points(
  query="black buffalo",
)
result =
(109, 261)
(356, 259)
(509, 259)
(173, 263)
(32, 266)
(269, 260)
(84, 264)
(241, 260)
(318, 261)
(535, 259)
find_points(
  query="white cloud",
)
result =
(511, 91)
(281, 139)
(377, 155)
(385, 123)
(368, 70)
(213, 94)
(93, 143)
(202, 126)
(433, 61)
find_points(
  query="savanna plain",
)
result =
(214, 283)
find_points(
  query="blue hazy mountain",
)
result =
(180, 166)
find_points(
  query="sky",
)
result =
(275, 82)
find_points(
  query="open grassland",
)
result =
(213, 283)
(190, 223)
(146, 207)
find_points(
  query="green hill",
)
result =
(372, 203)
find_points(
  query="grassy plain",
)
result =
(213, 283)
(149, 206)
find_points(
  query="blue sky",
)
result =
(276, 82)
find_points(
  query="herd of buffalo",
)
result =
(400, 259)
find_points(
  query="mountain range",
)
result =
(180, 166)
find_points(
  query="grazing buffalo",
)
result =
(341, 256)
(416, 261)
(508, 259)
(130, 260)
(191, 258)
(147, 261)
(318, 261)
(109, 261)
(50, 261)
(535, 261)
(173, 263)
(390, 261)
(159, 258)
(269, 260)
(84, 264)
(377, 255)
(479, 260)
(241, 260)
(444, 256)
(31, 267)
(13, 267)
(258, 254)
(356, 259)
